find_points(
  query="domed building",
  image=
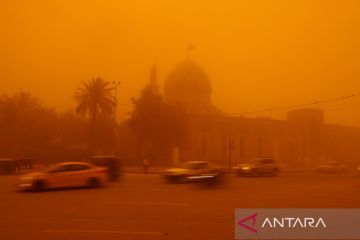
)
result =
(189, 84)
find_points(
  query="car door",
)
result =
(267, 166)
(271, 165)
(79, 174)
(261, 166)
(59, 176)
(209, 168)
(196, 169)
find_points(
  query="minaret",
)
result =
(153, 79)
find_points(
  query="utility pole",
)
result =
(116, 84)
(231, 146)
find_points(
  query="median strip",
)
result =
(147, 203)
(104, 232)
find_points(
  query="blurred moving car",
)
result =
(7, 166)
(193, 171)
(258, 167)
(112, 163)
(66, 174)
(25, 163)
(331, 167)
(11, 166)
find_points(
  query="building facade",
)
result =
(303, 139)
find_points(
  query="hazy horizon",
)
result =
(258, 54)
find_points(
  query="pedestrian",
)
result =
(146, 165)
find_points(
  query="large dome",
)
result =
(188, 82)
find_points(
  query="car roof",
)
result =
(104, 157)
(69, 163)
(5, 159)
(196, 162)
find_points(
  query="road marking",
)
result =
(103, 232)
(148, 203)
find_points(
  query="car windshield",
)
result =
(192, 165)
(262, 161)
(255, 161)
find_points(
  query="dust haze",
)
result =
(257, 54)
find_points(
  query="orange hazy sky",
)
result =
(258, 54)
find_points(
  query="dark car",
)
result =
(24, 163)
(193, 171)
(7, 166)
(112, 163)
(14, 165)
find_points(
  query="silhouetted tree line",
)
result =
(29, 129)
(25, 125)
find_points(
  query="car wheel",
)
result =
(39, 186)
(275, 172)
(94, 183)
(255, 173)
(181, 179)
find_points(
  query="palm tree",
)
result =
(94, 97)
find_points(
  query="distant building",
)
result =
(303, 139)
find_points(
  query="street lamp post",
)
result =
(116, 84)
(231, 147)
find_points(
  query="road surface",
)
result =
(145, 207)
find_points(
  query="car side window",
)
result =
(199, 166)
(205, 166)
(261, 161)
(77, 167)
(268, 161)
(59, 169)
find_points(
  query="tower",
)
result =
(153, 79)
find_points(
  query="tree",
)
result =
(73, 130)
(158, 125)
(94, 97)
(26, 126)
(74, 133)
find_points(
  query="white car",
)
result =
(66, 174)
(331, 167)
(258, 167)
(193, 171)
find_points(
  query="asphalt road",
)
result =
(145, 207)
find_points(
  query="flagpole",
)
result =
(190, 48)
